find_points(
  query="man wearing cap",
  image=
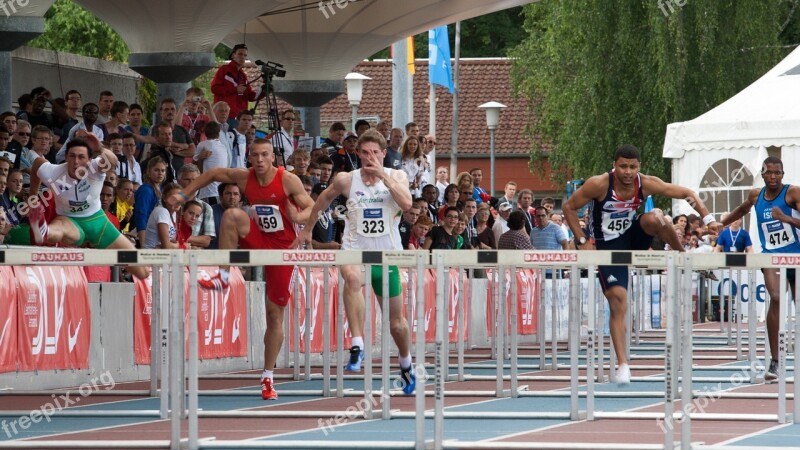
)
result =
(230, 82)
(346, 158)
(501, 223)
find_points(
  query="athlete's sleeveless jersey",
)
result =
(776, 236)
(373, 217)
(613, 216)
(268, 208)
(74, 198)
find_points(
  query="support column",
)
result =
(309, 95)
(172, 72)
(14, 32)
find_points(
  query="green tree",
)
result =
(70, 28)
(599, 74)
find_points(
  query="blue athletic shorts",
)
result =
(634, 238)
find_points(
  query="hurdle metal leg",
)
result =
(590, 344)
(752, 322)
(309, 323)
(501, 330)
(540, 320)
(386, 337)
(165, 310)
(368, 410)
(739, 315)
(176, 350)
(796, 351)
(574, 326)
(193, 427)
(600, 325)
(155, 320)
(670, 356)
(340, 336)
(326, 333)
(783, 304)
(419, 400)
(441, 357)
(296, 331)
(462, 336)
(554, 318)
(686, 354)
(514, 353)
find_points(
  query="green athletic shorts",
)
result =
(97, 229)
(395, 287)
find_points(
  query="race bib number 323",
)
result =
(372, 222)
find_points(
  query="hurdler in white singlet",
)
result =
(373, 217)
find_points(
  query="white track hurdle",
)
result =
(179, 401)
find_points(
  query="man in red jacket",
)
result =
(230, 82)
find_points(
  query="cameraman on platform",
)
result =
(230, 83)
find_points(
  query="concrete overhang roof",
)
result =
(323, 41)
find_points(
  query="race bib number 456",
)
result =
(372, 222)
(268, 218)
(616, 223)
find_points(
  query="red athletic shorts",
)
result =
(280, 279)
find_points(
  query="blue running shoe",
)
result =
(356, 358)
(408, 380)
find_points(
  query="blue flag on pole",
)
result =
(440, 71)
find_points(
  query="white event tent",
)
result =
(719, 154)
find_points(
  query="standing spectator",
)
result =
(118, 119)
(431, 196)
(515, 238)
(470, 210)
(325, 168)
(322, 235)
(12, 185)
(412, 129)
(442, 180)
(23, 134)
(393, 159)
(38, 116)
(42, 138)
(333, 142)
(558, 219)
(479, 194)
(361, 126)
(283, 140)
(135, 116)
(460, 231)
(525, 206)
(546, 235)
(244, 123)
(122, 207)
(384, 129)
(179, 144)
(190, 117)
(549, 204)
(508, 194)
(106, 102)
(451, 196)
(25, 102)
(230, 82)
(88, 125)
(501, 223)
(301, 162)
(346, 159)
(72, 106)
(734, 239)
(211, 154)
(413, 163)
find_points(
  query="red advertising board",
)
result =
(8, 320)
(528, 283)
(53, 333)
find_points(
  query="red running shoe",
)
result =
(215, 282)
(268, 392)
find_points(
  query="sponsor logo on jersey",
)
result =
(373, 213)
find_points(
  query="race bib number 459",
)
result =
(372, 222)
(268, 218)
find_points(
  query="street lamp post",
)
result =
(355, 90)
(492, 120)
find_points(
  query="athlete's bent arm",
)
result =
(297, 195)
(793, 200)
(591, 189)
(655, 185)
(742, 209)
(220, 174)
(324, 200)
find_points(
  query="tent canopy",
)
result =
(764, 114)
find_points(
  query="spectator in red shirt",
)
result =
(230, 82)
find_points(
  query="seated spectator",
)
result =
(162, 229)
(451, 196)
(25, 102)
(460, 231)
(87, 125)
(190, 217)
(122, 207)
(322, 235)
(42, 140)
(409, 219)
(23, 134)
(114, 141)
(515, 238)
(314, 172)
(547, 235)
(325, 168)
(190, 116)
(300, 160)
(118, 119)
(106, 102)
(501, 223)
(148, 195)
(5, 227)
(204, 230)
(107, 196)
(418, 232)
(230, 197)
(443, 237)
(135, 116)
(308, 185)
(127, 166)
(486, 240)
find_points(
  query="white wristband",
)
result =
(708, 219)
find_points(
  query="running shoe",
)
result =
(215, 282)
(623, 375)
(408, 380)
(772, 372)
(356, 358)
(268, 391)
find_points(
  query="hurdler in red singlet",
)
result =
(278, 201)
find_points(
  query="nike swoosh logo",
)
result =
(235, 336)
(73, 338)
